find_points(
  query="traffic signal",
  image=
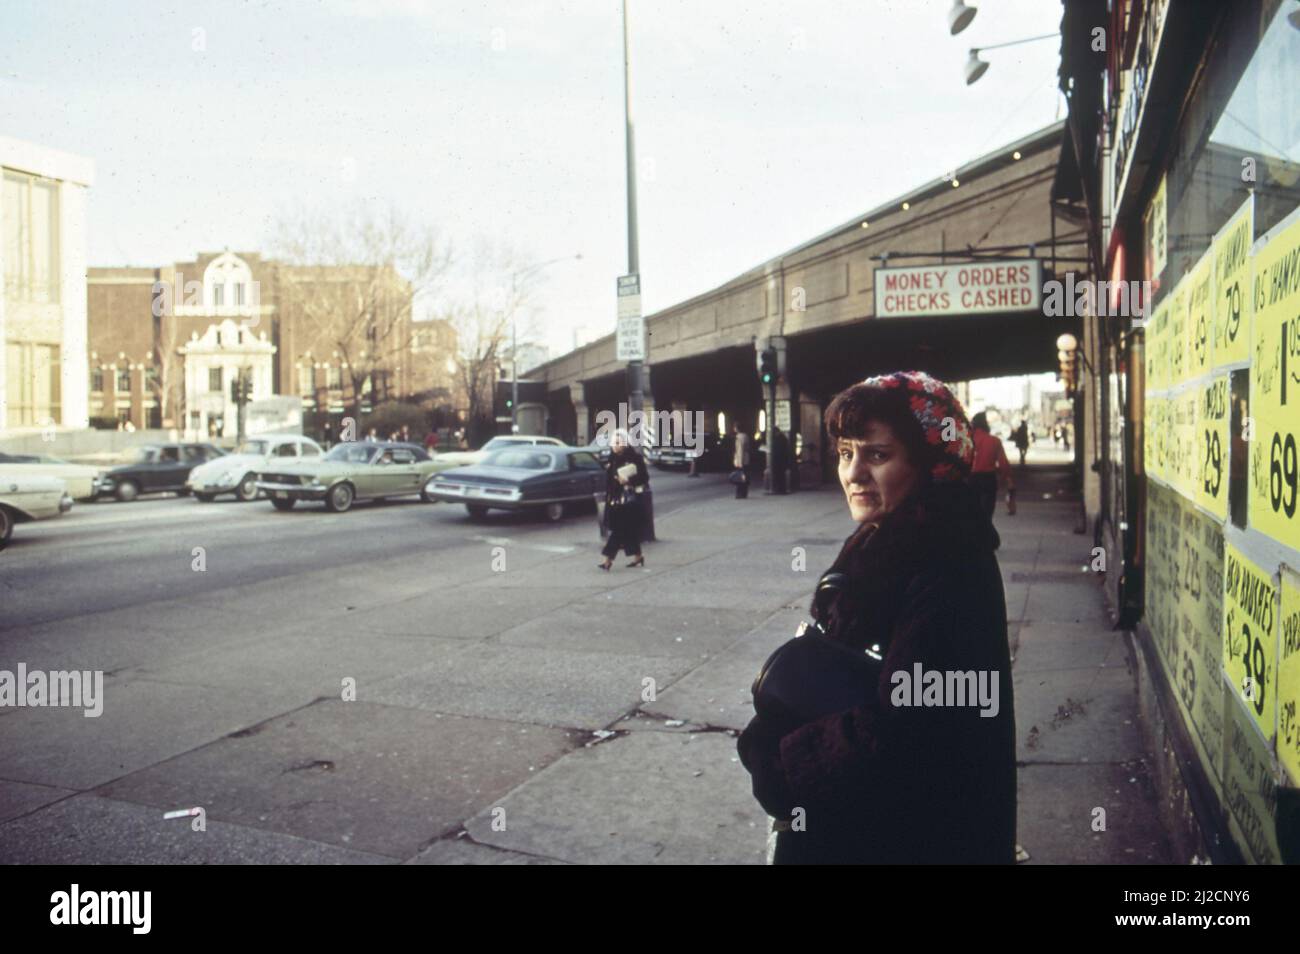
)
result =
(241, 388)
(767, 366)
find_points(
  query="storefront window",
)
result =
(1241, 132)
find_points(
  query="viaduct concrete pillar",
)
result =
(812, 434)
(578, 395)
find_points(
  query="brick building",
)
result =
(166, 342)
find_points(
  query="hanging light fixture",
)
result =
(960, 16)
(975, 67)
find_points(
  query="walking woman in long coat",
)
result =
(623, 502)
(902, 778)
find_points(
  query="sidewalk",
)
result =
(547, 714)
(667, 786)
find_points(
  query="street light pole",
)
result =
(635, 398)
(514, 373)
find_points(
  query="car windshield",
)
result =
(146, 455)
(351, 453)
(521, 458)
(252, 447)
(497, 443)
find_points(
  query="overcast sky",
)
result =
(758, 124)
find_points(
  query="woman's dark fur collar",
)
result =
(941, 522)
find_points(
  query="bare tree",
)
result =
(488, 314)
(353, 281)
(167, 383)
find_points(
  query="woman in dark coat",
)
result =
(623, 503)
(898, 781)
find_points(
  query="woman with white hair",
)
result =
(626, 478)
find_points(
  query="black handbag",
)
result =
(812, 675)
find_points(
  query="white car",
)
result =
(80, 477)
(237, 473)
(24, 497)
(469, 458)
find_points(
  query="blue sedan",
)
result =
(537, 477)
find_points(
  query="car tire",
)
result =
(127, 491)
(476, 511)
(283, 505)
(6, 526)
(205, 498)
(339, 498)
(554, 512)
(246, 490)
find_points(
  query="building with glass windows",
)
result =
(43, 378)
(1183, 151)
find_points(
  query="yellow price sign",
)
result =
(1177, 335)
(1249, 636)
(1232, 286)
(1274, 499)
(1154, 422)
(1212, 443)
(1288, 678)
(1183, 438)
(1200, 316)
(1158, 350)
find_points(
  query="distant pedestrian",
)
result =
(431, 440)
(1021, 438)
(626, 479)
(740, 461)
(881, 776)
(780, 460)
(1065, 435)
(989, 462)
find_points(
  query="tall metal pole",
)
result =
(514, 373)
(635, 398)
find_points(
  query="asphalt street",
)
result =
(108, 555)
(358, 686)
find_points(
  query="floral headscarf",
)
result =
(942, 420)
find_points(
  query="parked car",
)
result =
(79, 477)
(351, 471)
(714, 456)
(600, 446)
(466, 458)
(25, 497)
(542, 477)
(156, 468)
(236, 473)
